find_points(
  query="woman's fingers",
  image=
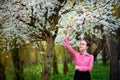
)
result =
(68, 31)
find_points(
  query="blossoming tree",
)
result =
(26, 21)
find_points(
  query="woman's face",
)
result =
(83, 45)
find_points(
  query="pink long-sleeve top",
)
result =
(82, 62)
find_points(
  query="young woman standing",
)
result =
(83, 61)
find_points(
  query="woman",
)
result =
(83, 61)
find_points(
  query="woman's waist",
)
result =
(77, 70)
(81, 68)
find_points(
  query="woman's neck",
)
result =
(83, 52)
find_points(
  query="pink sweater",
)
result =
(82, 62)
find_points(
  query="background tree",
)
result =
(35, 20)
(96, 19)
(28, 21)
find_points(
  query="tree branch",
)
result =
(102, 5)
(69, 9)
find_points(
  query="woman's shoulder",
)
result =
(91, 55)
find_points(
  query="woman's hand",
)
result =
(68, 31)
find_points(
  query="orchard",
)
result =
(32, 35)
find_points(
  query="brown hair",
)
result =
(88, 42)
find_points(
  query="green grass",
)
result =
(61, 76)
(32, 73)
(99, 72)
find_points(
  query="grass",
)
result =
(61, 76)
(99, 72)
(32, 73)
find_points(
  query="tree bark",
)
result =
(114, 50)
(104, 55)
(46, 72)
(2, 72)
(65, 69)
(65, 63)
(17, 65)
(55, 65)
(97, 50)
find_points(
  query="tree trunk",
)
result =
(2, 72)
(55, 65)
(114, 50)
(17, 65)
(104, 54)
(97, 50)
(65, 62)
(65, 69)
(46, 72)
(118, 37)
